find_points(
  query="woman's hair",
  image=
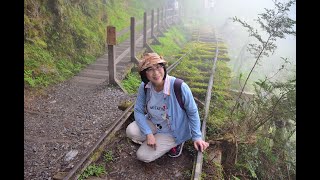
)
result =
(144, 76)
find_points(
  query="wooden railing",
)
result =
(112, 36)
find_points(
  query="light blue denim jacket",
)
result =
(184, 124)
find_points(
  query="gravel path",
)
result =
(63, 123)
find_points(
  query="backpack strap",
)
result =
(177, 91)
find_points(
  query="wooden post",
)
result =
(144, 29)
(152, 22)
(162, 14)
(165, 15)
(156, 41)
(158, 19)
(111, 41)
(160, 25)
(180, 11)
(165, 18)
(180, 14)
(133, 44)
(163, 26)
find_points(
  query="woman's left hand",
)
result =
(200, 145)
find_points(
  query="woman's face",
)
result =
(155, 74)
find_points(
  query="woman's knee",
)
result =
(132, 130)
(143, 156)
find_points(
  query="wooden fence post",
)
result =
(158, 19)
(144, 29)
(146, 45)
(162, 14)
(160, 24)
(152, 22)
(111, 41)
(180, 14)
(132, 40)
(165, 18)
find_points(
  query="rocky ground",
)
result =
(63, 122)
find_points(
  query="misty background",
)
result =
(219, 13)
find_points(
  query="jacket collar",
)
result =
(166, 88)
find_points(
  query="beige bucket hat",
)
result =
(149, 59)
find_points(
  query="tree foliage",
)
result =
(275, 23)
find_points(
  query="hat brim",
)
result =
(149, 63)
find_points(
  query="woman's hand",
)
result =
(200, 145)
(151, 141)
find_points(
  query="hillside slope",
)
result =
(62, 37)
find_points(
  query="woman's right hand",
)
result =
(151, 141)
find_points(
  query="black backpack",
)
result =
(177, 91)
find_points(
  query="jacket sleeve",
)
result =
(139, 108)
(192, 112)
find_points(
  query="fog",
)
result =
(248, 10)
(236, 36)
